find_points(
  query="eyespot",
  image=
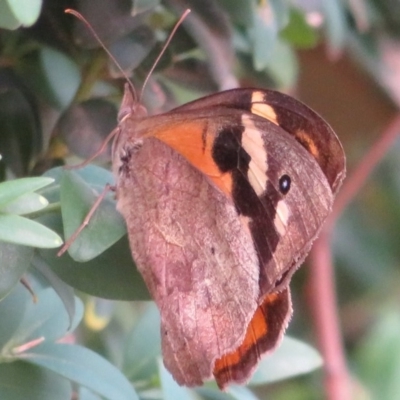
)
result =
(284, 184)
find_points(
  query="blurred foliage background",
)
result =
(75, 337)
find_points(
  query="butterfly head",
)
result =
(130, 106)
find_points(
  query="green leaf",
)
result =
(86, 394)
(25, 204)
(264, 36)
(282, 66)
(357, 242)
(7, 17)
(65, 292)
(290, 359)
(143, 5)
(298, 32)
(95, 176)
(171, 390)
(12, 190)
(241, 393)
(335, 25)
(233, 392)
(269, 18)
(14, 261)
(143, 346)
(132, 49)
(280, 11)
(63, 75)
(23, 381)
(47, 318)
(14, 13)
(378, 356)
(112, 275)
(84, 126)
(26, 11)
(83, 367)
(106, 225)
(20, 230)
(21, 134)
(240, 11)
(16, 300)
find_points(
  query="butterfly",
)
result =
(222, 198)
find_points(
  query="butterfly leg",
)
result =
(87, 219)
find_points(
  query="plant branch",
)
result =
(322, 282)
(358, 177)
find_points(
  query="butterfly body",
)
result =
(222, 201)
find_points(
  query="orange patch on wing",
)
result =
(263, 334)
(305, 139)
(195, 144)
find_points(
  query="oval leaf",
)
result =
(298, 32)
(25, 204)
(65, 292)
(46, 318)
(97, 277)
(241, 393)
(143, 347)
(26, 12)
(86, 394)
(171, 390)
(83, 367)
(12, 190)
(14, 261)
(16, 300)
(7, 18)
(20, 230)
(105, 227)
(290, 359)
(22, 381)
(62, 74)
(264, 36)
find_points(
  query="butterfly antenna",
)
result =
(96, 36)
(167, 42)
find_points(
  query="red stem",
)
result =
(322, 281)
(327, 325)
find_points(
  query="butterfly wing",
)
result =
(193, 253)
(223, 198)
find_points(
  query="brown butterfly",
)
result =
(223, 198)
